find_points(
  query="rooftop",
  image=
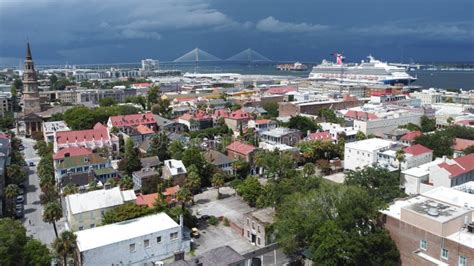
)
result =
(372, 144)
(422, 170)
(71, 151)
(279, 132)
(219, 256)
(462, 144)
(265, 216)
(149, 162)
(412, 135)
(241, 148)
(80, 160)
(132, 120)
(175, 166)
(122, 231)
(98, 199)
(146, 173)
(99, 132)
(55, 126)
(460, 165)
(435, 209)
(216, 158)
(417, 149)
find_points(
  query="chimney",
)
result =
(181, 221)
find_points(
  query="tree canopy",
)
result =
(304, 124)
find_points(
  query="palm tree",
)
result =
(52, 213)
(193, 180)
(218, 182)
(11, 192)
(65, 246)
(400, 156)
(184, 196)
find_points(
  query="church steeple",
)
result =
(28, 52)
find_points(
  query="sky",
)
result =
(116, 31)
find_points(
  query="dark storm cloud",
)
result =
(127, 30)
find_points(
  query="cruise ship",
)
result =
(372, 71)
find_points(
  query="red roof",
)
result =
(361, 115)
(4, 136)
(280, 90)
(417, 149)
(239, 115)
(72, 151)
(99, 132)
(460, 166)
(462, 144)
(142, 129)
(262, 121)
(320, 136)
(142, 85)
(220, 113)
(132, 120)
(198, 115)
(185, 99)
(412, 135)
(465, 122)
(171, 191)
(148, 199)
(240, 147)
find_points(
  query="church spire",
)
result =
(28, 52)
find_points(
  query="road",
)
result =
(33, 220)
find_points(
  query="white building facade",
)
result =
(360, 154)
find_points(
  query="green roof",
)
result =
(104, 171)
(83, 160)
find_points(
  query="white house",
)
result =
(415, 155)
(360, 154)
(85, 210)
(453, 172)
(142, 241)
(417, 179)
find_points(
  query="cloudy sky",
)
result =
(112, 31)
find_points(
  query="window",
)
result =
(444, 253)
(174, 236)
(158, 239)
(248, 221)
(92, 225)
(462, 261)
(423, 245)
(81, 228)
(253, 225)
(132, 247)
(258, 228)
(258, 241)
(146, 243)
(248, 233)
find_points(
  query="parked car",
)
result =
(31, 164)
(20, 199)
(21, 191)
(195, 232)
(19, 213)
(21, 147)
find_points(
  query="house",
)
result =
(281, 135)
(257, 227)
(321, 136)
(125, 123)
(84, 164)
(409, 138)
(50, 127)
(460, 145)
(415, 155)
(139, 134)
(98, 137)
(141, 241)
(359, 154)
(141, 177)
(434, 228)
(237, 120)
(222, 256)
(70, 152)
(219, 160)
(150, 162)
(238, 150)
(262, 125)
(175, 171)
(336, 131)
(85, 210)
(164, 124)
(149, 199)
(196, 120)
(417, 179)
(453, 172)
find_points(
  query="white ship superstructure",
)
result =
(372, 72)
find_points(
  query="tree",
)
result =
(52, 213)
(400, 157)
(193, 180)
(36, 253)
(79, 117)
(411, 127)
(162, 107)
(70, 189)
(65, 246)
(107, 101)
(469, 150)
(176, 150)
(271, 108)
(241, 168)
(184, 196)
(16, 174)
(360, 135)
(324, 166)
(131, 161)
(11, 192)
(140, 100)
(450, 120)
(152, 97)
(250, 189)
(308, 169)
(125, 212)
(218, 182)
(427, 124)
(382, 185)
(276, 164)
(50, 193)
(303, 124)
(159, 146)
(12, 240)
(329, 115)
(440, 142)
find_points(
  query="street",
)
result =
(33, 220)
